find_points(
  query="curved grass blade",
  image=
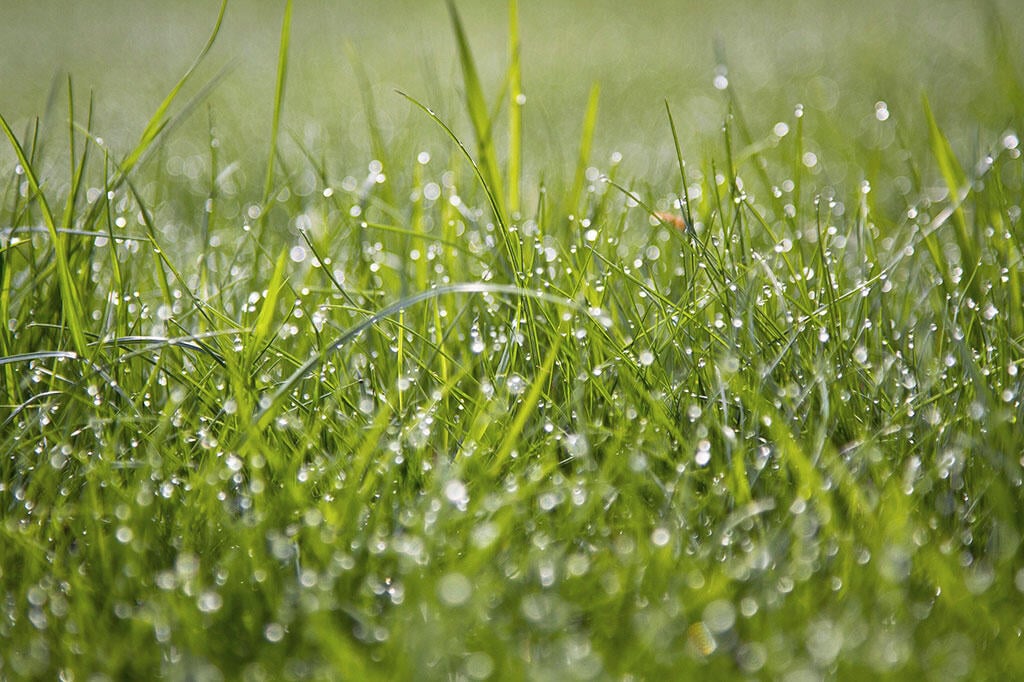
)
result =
(151, 343)
(70, 355)
(492, 198)
(157, 121)
(266, 415)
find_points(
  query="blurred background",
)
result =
(838, 59)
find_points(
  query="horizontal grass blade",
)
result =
(268, 413)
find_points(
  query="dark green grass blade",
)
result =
(683, 195)
(77, 168)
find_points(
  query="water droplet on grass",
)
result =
(454, 589)
(703, 455)
(209, 602)
(274, 632)
(516, 384)
(751, 657)
(660, 537)
(719, 616)
(455, 492)
(479, 666)
(700, 639)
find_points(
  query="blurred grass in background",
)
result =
(837, 59)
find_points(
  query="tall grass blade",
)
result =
(370, 110)
(572, 206)
(511, 246)
(527, 408)
(956, 182)
(71, 305)
(261, 330)
(157, 121)
(282, 72)
(476, 105)
(683, 194)
(515, 111)
(76, 169)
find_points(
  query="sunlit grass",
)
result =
(451, 413)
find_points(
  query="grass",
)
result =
(466, 414)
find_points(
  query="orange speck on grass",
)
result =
(672, 219)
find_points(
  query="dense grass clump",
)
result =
(458, 414)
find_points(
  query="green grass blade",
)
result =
(515, 112)
(38, 355)
(70, 302)
(572, 206)
(190, 342)
(956, 182)
(282, 72)
(511, 249)
(261, 330)
(77, 169)
(526, 409)
(65, 221)
(683, 194)
(158, 120)
(476, 105)
(378, 148)
(1005, 53)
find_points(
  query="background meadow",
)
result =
(690, 342)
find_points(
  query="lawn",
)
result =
(482, 341)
